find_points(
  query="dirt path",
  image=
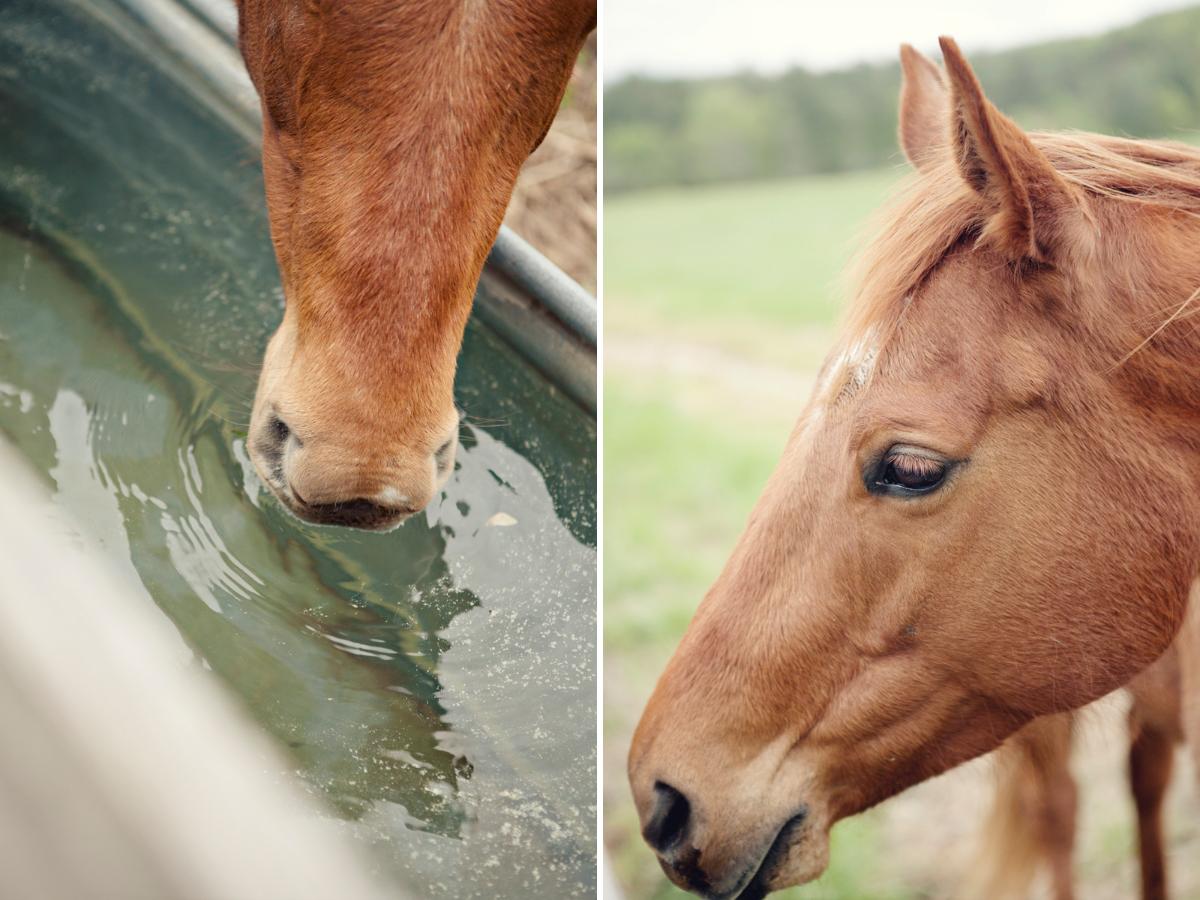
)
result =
(625, 353)
(707, 379)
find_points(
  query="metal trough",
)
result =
(429, 695)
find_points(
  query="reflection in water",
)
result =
(434, 685)
(344, 676)
(398, 669)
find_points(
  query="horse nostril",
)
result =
(668, 820)
(278, 429)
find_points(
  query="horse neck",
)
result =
(408, 183)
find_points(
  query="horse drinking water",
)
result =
(393, 132)
(989, 510)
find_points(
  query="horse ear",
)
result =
(1031, 203)
(924, 108)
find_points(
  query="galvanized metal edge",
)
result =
(538, 309)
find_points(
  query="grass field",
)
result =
(728, 336)
(732, 265)
(719, 306)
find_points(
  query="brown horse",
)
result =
(988, 512)
(1032, 824)
(393, 132)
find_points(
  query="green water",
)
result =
(434, 686)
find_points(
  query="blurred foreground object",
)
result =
(124, 771)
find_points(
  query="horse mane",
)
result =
(933, 211)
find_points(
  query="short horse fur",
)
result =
(1032, 824)
(393, 132)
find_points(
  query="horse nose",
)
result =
(668, 820)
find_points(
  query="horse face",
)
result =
(354, 420)
(975, 522)
(942, 554)
(393, 133)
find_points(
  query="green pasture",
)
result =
(719, 305)
(732, 265)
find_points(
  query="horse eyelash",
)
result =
(915, 464)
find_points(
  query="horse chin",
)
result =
(347, 515)
(799, 853)
(801, 858)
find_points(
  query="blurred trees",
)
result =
(1142, 81)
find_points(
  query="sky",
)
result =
(705, 37)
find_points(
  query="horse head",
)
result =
(988, 511)
(393, 132)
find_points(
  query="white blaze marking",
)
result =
(853, 366)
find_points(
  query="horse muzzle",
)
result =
(324, 484)
(722, 865)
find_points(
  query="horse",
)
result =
(1033, 817)
(988, 511)
(393, 132)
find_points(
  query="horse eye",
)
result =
(906, 473)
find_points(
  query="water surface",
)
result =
(434, 685)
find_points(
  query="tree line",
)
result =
(1142, 80)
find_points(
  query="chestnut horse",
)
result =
(393, 132)
(1032, 824)
(989, 510)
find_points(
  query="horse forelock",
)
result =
(934, 213)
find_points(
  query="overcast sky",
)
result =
(703, 37)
